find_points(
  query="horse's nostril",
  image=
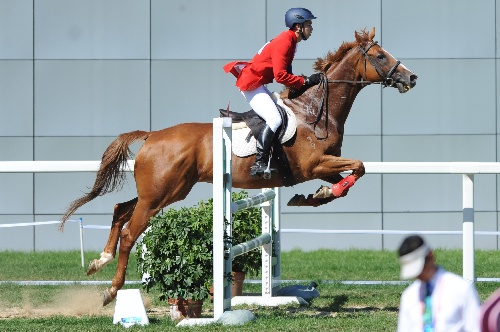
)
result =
(413, 78)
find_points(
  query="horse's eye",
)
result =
(381, 56)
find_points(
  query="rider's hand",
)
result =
(313, 79)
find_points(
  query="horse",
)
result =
(172, 160)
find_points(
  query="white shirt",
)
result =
(455, 305)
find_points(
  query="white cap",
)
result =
(412, 263)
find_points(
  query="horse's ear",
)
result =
(358, 37)
(372, 33)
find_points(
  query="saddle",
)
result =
(255, 123)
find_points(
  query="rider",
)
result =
(273, 61)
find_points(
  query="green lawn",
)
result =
(340, 307)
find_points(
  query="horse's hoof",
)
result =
(323, 192)
(301, 200)
(107, 298)
(93, 267)
(296, 200)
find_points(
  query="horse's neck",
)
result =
(341, 95)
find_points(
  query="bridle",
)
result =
(386, 81)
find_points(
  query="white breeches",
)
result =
(261, 102)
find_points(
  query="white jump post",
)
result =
(270, 231)
(265, 240)
(221, 207)
(223, 210)
(468, 227)
(222, 183)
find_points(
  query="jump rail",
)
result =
(245, 247)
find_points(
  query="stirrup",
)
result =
(257, 170)
(268, 172)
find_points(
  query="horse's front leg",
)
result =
(329, 169)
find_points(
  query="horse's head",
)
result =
(380, 66)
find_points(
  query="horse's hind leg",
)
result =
(128, 236)
(122, 214)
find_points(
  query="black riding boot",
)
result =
(264, 143)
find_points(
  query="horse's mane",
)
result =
(332, 59)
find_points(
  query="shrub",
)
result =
(179, 251)
(178, 258)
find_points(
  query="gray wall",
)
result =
(74, 74)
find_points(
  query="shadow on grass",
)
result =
(337, 305)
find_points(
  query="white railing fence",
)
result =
(82, 227)
(467, 169)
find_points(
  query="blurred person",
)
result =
(438, 300)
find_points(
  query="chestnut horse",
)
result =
(172, 160)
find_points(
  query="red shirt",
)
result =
(271, 62)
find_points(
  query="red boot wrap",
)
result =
(339, 188)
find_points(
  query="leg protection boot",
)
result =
(264, 143)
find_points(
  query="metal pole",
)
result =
(221, 195)
(267, 249)
(81, 241)
(264, 196)
(227, 130)
(276, 242)
(245, 247)
(218, 228)
(468, 227)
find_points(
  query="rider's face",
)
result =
(304, 32)
(307, 30)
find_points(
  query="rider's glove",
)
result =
(313, 79)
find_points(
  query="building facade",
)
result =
(75, 74)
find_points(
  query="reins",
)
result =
(323, 102)
(387, 80)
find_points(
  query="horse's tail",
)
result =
(110, 175)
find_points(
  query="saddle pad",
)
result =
(243, 142)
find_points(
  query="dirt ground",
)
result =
(87, 301)
(74, 302)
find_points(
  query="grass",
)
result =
(341, 307)
(63, 265)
